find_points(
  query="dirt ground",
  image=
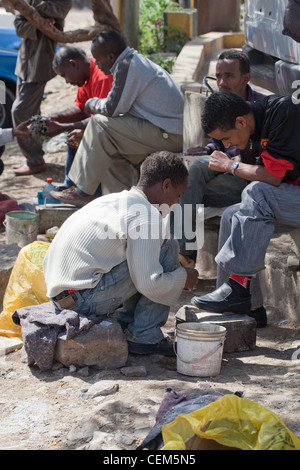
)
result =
(52, 410)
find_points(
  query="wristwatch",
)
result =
(234, 166)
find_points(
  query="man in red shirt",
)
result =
(77, 69)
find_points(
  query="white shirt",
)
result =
(6, 136)
(104, 233)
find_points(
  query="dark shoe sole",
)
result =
(165, 349)
(260, 316)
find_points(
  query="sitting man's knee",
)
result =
(255, 189)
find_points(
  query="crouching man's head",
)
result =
(163, 178)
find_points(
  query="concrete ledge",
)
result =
(234, 40)
(280, 285)
(190, 61)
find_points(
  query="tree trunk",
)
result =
(103, 16)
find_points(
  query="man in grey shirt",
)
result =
(142, 114)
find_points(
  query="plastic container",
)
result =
(21, 228)
(199, 348)
(46, 190)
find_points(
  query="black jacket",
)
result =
(277, 121)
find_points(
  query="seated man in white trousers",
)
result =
(142, 114)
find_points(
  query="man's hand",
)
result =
(74, 137)
(22, 130)
(191, 279)
(219, 161)
(53, 128)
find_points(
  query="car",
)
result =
(274, 57)
(9, 45)
(8, 81)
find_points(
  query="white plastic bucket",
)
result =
(20, 227)
(199, 348)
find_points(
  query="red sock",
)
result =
(243, 280)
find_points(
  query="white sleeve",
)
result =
(5, 136)
(147, 273)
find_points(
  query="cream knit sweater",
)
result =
(103, 234)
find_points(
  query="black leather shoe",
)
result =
(260, 315)
(227, 298)
(164, 347)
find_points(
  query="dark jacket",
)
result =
(276, 131)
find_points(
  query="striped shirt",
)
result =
(104, 233)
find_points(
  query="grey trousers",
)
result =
(112, 150)
(27, 103)
(210, 188)
(246, 230)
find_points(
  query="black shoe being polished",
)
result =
(260, 315)
(229, 297)
(164, 347)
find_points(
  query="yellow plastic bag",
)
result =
(26, 286)
(232, 422)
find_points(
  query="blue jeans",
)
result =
(222, 275)
(71, 152)
(246, 230)
(116, 294)
(210, 188)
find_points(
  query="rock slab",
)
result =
(103, 346)
(240, 330)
